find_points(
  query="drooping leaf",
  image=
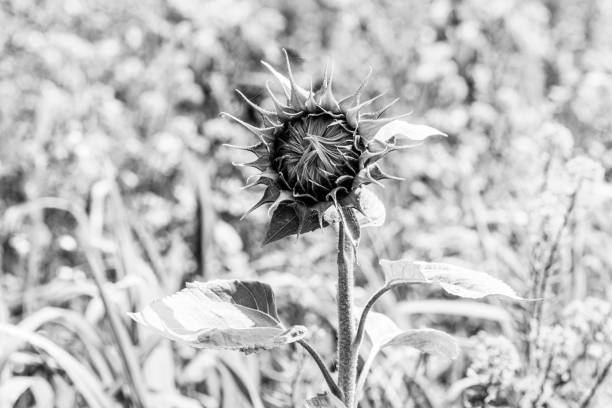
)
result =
(402, 130)
(221, 314)
(285, 221)
(325, 400)
(455, 280)
(383, 332)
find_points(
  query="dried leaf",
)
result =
(221, 314)
(453, 279)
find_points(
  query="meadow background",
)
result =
(115, 189)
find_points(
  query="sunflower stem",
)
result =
(347, 360)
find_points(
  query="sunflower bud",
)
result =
(316, 153)
(313, 155)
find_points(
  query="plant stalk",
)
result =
(347, 360)
(333, 387)
(117, 329)
(364, 316)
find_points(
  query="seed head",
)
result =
(317, 153)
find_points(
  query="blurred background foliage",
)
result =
(115, 189)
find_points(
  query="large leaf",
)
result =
(455, 280)
(324, 401)
(221, 314)
(285, 221)
(383, 332)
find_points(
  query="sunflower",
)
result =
(316, 155)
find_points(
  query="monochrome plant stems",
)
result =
(540, 285)
(364, 315)
(333, 387)
(347, 359)
(118, 330)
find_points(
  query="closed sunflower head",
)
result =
(316, 156)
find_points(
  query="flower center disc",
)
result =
(314, 155)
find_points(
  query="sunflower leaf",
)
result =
(402, 130)
(455, 280)
(286, 221)
(383, 332)
(221, 314)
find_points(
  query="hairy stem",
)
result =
(333, 387)
(347, 360)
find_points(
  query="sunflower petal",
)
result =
(368, 156)
(379, 113)
(311, 103)
(327, 101)
(372, 173)
(261, 163)
(352, 100)
(267, 177)
(283, 112)
(265, 134)
(352, 114)
(254, 105)
(298, 95)
(284, 81)
(270, 195)
(283, 197)
(259, 149)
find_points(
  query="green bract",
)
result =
(317, 153)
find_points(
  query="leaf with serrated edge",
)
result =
(383, 332)
(324, 401)
(220, 314)
(455, 280)
(406, 131)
